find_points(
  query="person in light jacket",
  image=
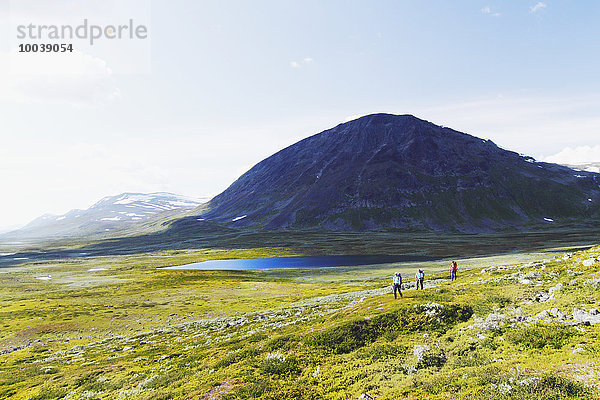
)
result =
(397, 284)
(420, 277)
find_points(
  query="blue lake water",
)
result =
(296, 262)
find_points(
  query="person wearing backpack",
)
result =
(397, 284)
(420, 277)
(453, 268)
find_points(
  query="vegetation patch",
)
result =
(301, 334)
(545, 387)
(355, 334)
(542, 335)
(277, 363)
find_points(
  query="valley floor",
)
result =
(518, 326)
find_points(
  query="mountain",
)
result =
(388, 172)
(109, 214)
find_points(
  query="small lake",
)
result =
(297, 262)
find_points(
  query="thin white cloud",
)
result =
(576, 155)
(77, 79)
(539, 6)
(487, 10)
(299, 64)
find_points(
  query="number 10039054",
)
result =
(45, 48)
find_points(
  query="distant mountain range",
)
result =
(112, 213)
(398, 172)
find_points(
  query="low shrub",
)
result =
(279, 365)
(355, 334)
(281, 342)
(236, 357)
(251, 390)
(498, 300)
(427, 357)
(49, 392)
(541, 335)
(547, 387)
(378, 352)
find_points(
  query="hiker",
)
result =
(453, 268)
(397, 284)
(420, 277)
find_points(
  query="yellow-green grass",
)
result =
(153, 333)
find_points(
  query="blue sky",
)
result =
(220, 85)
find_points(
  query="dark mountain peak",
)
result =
(382, 123)
(398, 131)
(384, 171)
(384, 118)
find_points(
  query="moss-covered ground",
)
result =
(518, 326)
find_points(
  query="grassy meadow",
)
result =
(513, 326)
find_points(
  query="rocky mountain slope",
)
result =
(387, 172)
(109, 214)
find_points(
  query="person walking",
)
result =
(397, 284)
(420, 277)
(453, 268)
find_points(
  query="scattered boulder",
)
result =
(491, 323)
(431, 309)
(594, 282)
(494, 268)
(545, 296)
(317, 372)
(420, 351)
(49, 369)
(544, 315)
(589, 262)
(578, 350)
(542, 297)
(555, 288)
(504, 388)
(409, 369)
(166, 357)
(587, 317)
